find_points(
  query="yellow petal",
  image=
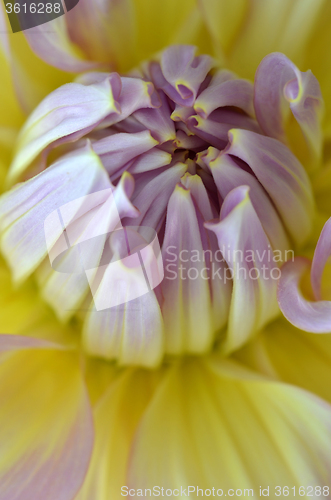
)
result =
(46, 430)
(275, 25)
(213, 425)
(116, 417)
(158, 22)
(293, 356)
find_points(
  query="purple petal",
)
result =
(66, 114)
(247, 251)
(153, 159)
(225, 90)
(136, 94)
(281, 175)
(321, 255)
(117, 150)
(185, 72)
(309, 316)
(55, 47)
(152, 195)
(25, 208)
(228, 175)
(278, 84)
(158, 121)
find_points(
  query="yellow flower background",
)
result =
(241, 422)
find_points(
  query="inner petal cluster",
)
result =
(187, 150)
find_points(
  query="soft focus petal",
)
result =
(276, 25)
(321, 255)
(281, 175)
(55, 47)
(309, 316)
(66, 114)
(46, 423)
(116, 418)
(272, 354)
(278, 82)
(29, 204)
(248, 432)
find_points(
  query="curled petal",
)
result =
(309, 316)
(321, 255)
(281, 175)
(66, 114)
(185, 72)
(247, 251)
(46, 426)
(153, 159)
(278, 83)
(135, 94)
(29, 204)
(225, 90)
(228, 175)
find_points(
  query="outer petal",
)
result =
(66, 114)
(272, 354)
(277, 25)
(28, 205)
(281, 175)
(278, 82)
(321, 255)
(309, 316)
(284, 437)
(55, 47)
(46, 424)
(116, 417)
(248, 253)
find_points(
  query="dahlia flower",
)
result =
(165, 241)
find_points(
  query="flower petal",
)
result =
(25, 208)
(46, 426)
(284, 438)
(247, 251)
(228, 175)
(187, 307)
(185, 72)
(55, 47)
(281, 175)
(321, 254)
(116, 417)
(67, 113)
(272, 354)
(279, 82)
(225, 89)
(309, 316)
(117, 150)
